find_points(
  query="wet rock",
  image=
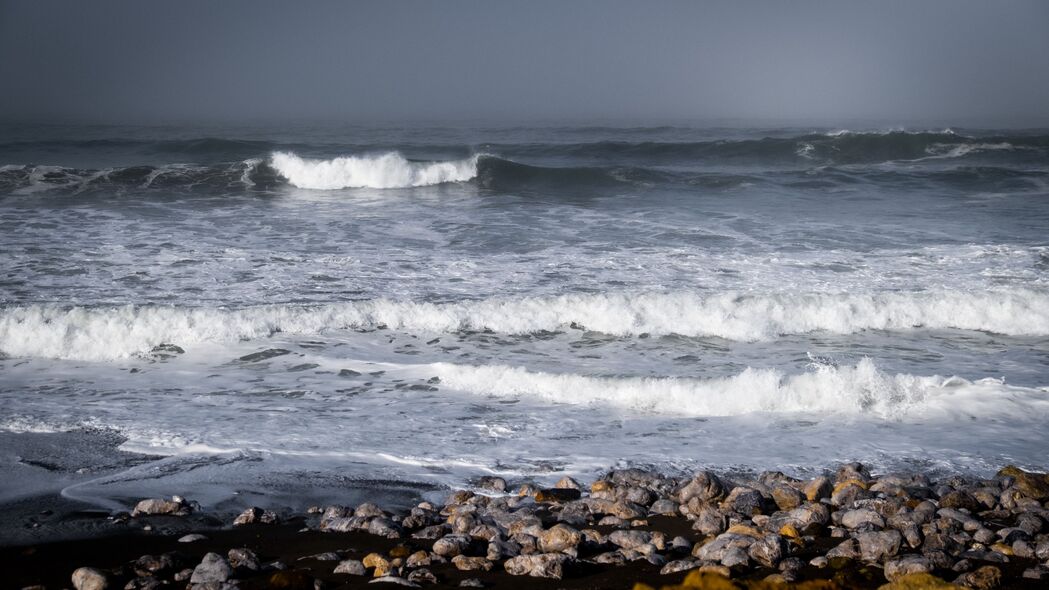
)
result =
(1030, 485)
(213, 568)
(192, 538)
(735, 558)
(368, 510)
(556, 495)
(907, 564)
(150, 564)
(817, 489)
(663, 507)
(709, 520)
(352, 567)
(961, 500)
(394, 580)
(627, 510)
(847, 549)
(746, 501)
(845, 494)
(679, 565)
(717, 549)
(263, 355)
(1036, 573)
(422, 576)
(494, 484)
(469, 564)
(918, 581)
(559, 538)
(861, 518)
(244, 558)
(705, 486)
(255, 515)
(768, 551)
(567, 483)
(629, 539)
(878, 546)
(88, 578)
(787, 497)
(451, 545)
(987, 577)
(500, 549)
(543, 565)
(159, 506)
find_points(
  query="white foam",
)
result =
(389, 170)
(103, 333)
(862, 389)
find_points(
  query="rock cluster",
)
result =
(892, 529)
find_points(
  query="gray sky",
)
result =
(135, 61)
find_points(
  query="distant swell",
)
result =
(389, 170)
(101, 333)
(859, 389)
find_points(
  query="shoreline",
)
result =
(848, 529)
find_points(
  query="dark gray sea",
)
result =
(274, 314)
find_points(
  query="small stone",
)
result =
(495, 484)
(544, 565)
(819, 562)
(213, 568)
(183, 575)
(680, 565)
(987, 577)
(469, 564)
(451, 545)
(255, 515)
(559, 538)
(567, 483)
(1036, 573)
(879, 545)
(244, 558)
(471, 583)
(786, 497)
(705, 486)
(88, 578)
(159, 506)
(394, 580)
(907, 564)
(630, 539)
(192, 538)
(768, 551)
(863, 517)
(422, 576)
(352, 567)
(818, 489)
(556, 495)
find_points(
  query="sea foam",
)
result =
(388, 170)
(861, 389)
(104, 333)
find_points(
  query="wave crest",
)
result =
(102, 333)
(388, 170)
(859, 389)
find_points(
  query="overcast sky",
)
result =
(136, 61)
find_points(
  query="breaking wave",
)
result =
(858, 389)
(389, 170)
(102, 333)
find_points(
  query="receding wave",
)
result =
(101, 333)
(857, 389)
(388, 170)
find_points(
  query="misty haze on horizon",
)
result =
(377, 62)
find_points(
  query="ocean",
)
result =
(282, 316)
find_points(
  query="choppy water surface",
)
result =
(272, 310)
